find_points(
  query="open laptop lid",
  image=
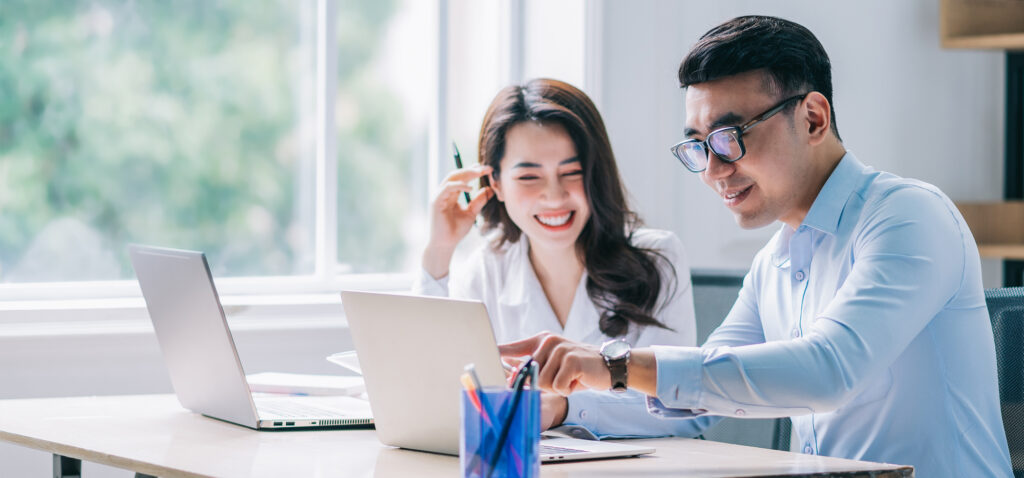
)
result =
(200, 354)
(412, 350)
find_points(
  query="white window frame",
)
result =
(324, 278)
(77, 307)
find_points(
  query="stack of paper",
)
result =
(306, 384)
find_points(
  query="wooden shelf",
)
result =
(982, 24)
(998, 227)
(1004, 251)
(1006, 41)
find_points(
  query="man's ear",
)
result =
(495, 186)
(819, 117)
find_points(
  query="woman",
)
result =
(565, 252)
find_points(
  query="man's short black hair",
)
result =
(794, 60)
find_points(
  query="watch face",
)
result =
(615, 349)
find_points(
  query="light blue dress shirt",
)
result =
(868, 326)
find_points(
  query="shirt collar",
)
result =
(827, 208)
(522, 295)
(519, 275)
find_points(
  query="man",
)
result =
(863, 318)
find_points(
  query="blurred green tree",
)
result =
(187, 124)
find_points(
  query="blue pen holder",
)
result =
(479, 439)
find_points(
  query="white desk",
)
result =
(153, 435)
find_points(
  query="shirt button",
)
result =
(808, 450)
(583, 414)
(740, 412)
(795, 333)
(799, 276)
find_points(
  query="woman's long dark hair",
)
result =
(623, 280)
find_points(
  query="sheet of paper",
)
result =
(346, 359)
(306, 384)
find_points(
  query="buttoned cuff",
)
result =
(658, 409)
(582, 411)
(679, 376)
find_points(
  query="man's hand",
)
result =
(565, 366)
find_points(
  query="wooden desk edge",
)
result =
(94, 457)
(56, 448)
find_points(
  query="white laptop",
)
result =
(201, 357)
(412, 351)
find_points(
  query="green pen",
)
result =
(458, 164)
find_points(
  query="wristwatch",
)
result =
(616, 357)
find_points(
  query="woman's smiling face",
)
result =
(541, 184)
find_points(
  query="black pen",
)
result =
(458, 164)
(517, 393)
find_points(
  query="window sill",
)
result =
(129, 316)
(249, 311)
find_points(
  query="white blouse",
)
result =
(504, 280)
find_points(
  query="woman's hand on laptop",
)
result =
(553, 410)
(565, 366)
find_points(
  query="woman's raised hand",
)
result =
(449, 220)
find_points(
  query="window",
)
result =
(387, 85)
(296, 142)
(201, 125)
(154, 122)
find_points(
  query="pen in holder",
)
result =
(500, 431)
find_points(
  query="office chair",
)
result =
(714, 292)
(780, 434)
(1006, 310)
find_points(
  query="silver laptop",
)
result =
(201, 357)
(412, 351)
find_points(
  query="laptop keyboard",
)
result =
(273, 407)
(557, 450)
(293, 410)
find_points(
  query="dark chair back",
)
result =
(1006, 310)
(714, 293)
(781, 431)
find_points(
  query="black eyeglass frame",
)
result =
(737, 130)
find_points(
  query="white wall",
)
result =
(902, 104)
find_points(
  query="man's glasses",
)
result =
(726, 143)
